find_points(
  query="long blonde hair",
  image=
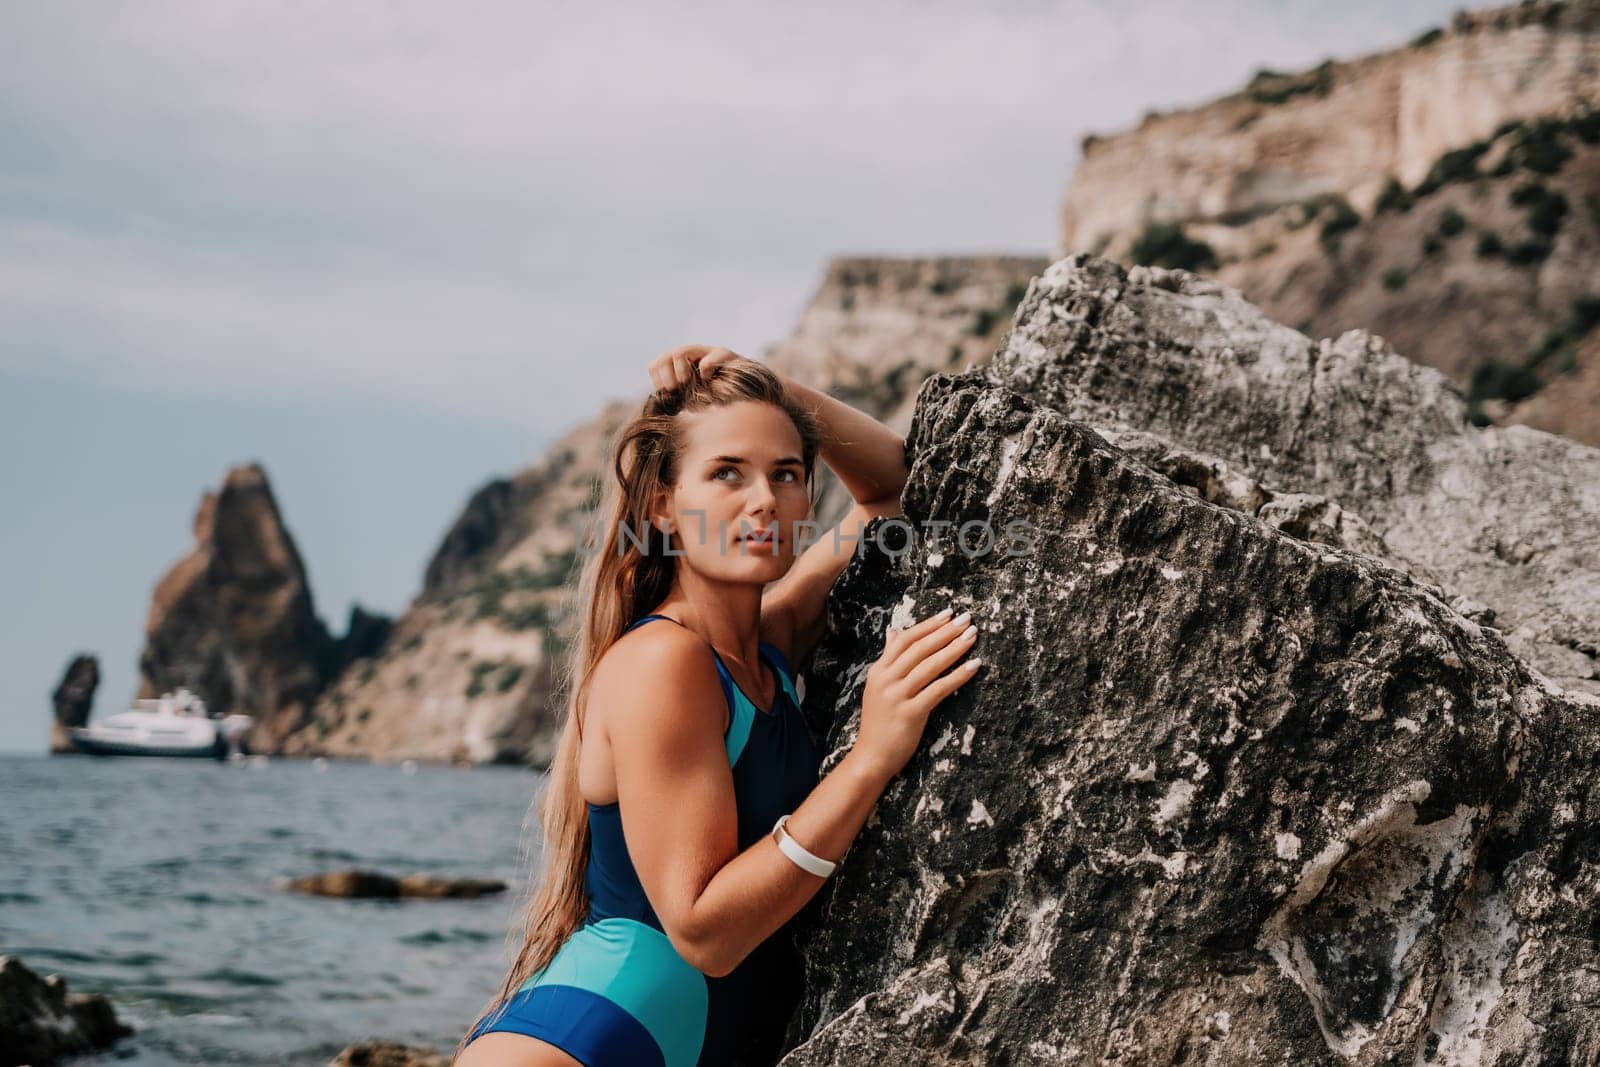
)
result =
(624, 579)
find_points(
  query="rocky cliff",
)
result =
(1227, 791)
(234, 621)
(468, 671)
(1445, 195)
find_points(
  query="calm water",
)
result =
(151, 880)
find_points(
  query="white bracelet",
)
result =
(806, 861)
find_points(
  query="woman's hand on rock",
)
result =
(907, 682)
(673, 368)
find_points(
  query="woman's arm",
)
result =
(675, 789)
(868, 457)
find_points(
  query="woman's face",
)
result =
(740, 473)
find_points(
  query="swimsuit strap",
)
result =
(646, 618)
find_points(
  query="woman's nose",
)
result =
(761, 495)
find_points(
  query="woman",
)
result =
(657, 933)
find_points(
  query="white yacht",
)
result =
(174, 724)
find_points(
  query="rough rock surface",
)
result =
(1221, 794)
(1186, 374)
(41, 1023)
(234, 620)
(1445, 195)
(468, 671)
(74, 700)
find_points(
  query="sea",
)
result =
(154, 882)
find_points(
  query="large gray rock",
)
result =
(1221, 794)
(1191, 377)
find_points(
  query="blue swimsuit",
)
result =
(617, 994)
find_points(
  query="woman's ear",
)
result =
(658, 513)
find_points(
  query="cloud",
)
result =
(504, 209)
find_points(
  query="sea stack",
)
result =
(74, 700)
(234, 620)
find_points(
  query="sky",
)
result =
(392, 250)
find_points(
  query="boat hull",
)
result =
(92, 746)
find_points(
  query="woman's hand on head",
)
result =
(672, 369)
(908, 681)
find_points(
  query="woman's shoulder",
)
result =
(657, 648)
(648, 666)
(662, 656)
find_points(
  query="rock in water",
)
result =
(1220, 794)
(355, 883)
(433, 887)
(352, 883)
(40, 1022)
(388, 1054)
(74, 700)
